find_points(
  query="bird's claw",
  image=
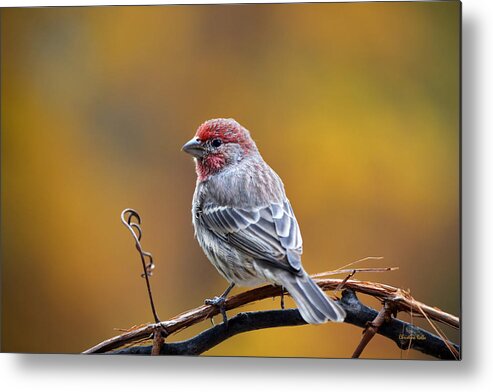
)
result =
(219, 303)
(282, 297)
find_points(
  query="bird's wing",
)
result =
(269, 233)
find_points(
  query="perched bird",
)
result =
(244, 222)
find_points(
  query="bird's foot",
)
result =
(219, 303)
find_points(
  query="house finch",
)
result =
(244, 222)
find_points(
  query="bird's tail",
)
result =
(315, 307)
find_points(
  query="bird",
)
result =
(244, 222)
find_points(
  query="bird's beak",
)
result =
(194, 147)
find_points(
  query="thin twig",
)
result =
(360, 261)
(453, 350)
(157, 342)
(136, 231)
(348, 271)
(371, 329)
(341, 285)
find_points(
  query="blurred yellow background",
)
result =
(356, 106)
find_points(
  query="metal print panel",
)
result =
(274, 180)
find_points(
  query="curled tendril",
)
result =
(132, 221)
(127, 216)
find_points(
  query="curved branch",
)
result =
(401, 300)
(405, 335)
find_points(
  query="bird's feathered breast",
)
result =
(246, 206)
(250, 183)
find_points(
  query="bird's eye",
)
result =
(216, 143)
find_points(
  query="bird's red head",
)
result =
(219, 143)
(227, 130)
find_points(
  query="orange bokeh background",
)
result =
(355, 105)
